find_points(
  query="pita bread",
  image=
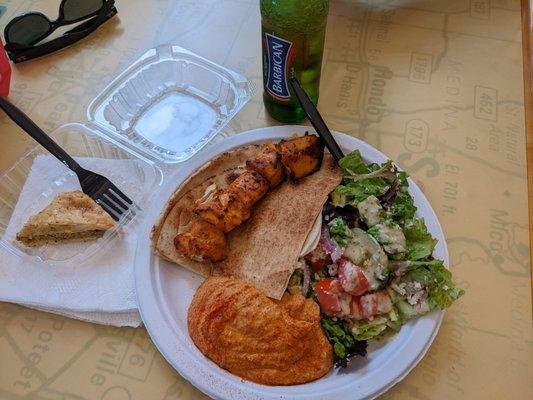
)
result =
(70, 217)
(265, 248)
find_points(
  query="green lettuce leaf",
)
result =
(353, 164)
(362, 180)
(403, 208)
(339, 231)
(368, 329)
(402, 178)
(420, 243)
(355, 192)
(442, 292)
(385, 171)
(342, 340)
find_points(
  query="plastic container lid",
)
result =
(160, 111)
(170, 103)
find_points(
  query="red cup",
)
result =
(5, 72)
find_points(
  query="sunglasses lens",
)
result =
(76, 9)
(28, 29)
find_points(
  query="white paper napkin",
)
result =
(100, 290)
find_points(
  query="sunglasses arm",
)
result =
(70, 37)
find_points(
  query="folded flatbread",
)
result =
(70, 217)
(264, 249)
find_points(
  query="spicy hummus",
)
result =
(263, 340)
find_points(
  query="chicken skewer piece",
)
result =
(224, 209)
(249, 187)
(230, 207)
(268, 164)
(301, 156)
(202, 242)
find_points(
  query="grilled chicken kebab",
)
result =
(225, 209)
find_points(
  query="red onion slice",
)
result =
(329, 244)
(306, 284)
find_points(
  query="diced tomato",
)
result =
(384, 302)
(328, 292)
(355, 309)
(369, 305)
(352, 278)
(318, 265)
(318, 258)
(374, 304)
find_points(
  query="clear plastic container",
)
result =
(160, 111)
(170, 103)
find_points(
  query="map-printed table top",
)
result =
(436, 85)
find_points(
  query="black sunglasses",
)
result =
(24, 32)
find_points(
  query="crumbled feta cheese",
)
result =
(370, 210)
(300, 264)
(345, 301)
(378, 272)
(399, 288)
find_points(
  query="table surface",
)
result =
(527, 42)
(436, 85)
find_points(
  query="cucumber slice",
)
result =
(407, 311)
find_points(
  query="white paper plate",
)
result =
(165, 290)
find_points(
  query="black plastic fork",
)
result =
(96, 186)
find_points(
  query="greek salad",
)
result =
(373, 269)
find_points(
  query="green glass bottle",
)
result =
(293, 42)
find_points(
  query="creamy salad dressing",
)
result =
(363, 250)
(370, 210)
(391, 236)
